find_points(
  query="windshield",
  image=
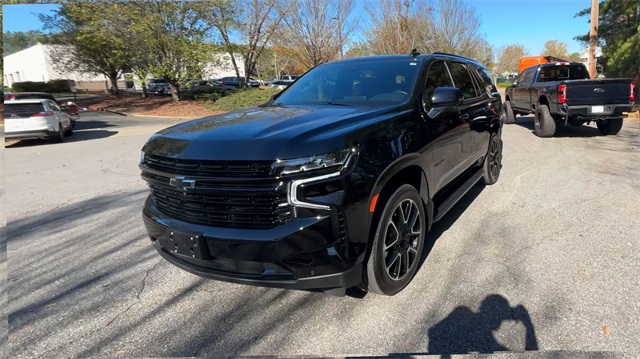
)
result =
(365, 83)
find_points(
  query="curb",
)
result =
(103, 109)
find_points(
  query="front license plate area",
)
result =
(185, 244)
(597, 109)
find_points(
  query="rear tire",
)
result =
(545, 124)
(397, 247)
(493, 160)
(59, 137)
(609, 127)
(507, 115)
(69, 130)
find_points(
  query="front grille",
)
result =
(236, 169)
(220, 199)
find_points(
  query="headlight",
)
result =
(341, 159)
(141, 156)
(338, 161)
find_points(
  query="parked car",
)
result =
(204, 86)
(35, 119)
(158, 86)
(333, 183)
(69, 106)
(237, 82)
(281, 84)
(561, 93)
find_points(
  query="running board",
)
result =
(458, 194)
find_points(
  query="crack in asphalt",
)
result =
(144, 280)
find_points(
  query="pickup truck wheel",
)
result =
(507, 115)
(493, 160)
(609, 127)
(545, 124)
(398, 242)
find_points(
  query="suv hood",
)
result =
(256, 133)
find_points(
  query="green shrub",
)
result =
(206, 97)
(245, 98)
(58, 86)
(53, 86)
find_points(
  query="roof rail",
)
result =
(454, 55)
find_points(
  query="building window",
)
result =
(10, 78)
(18, 76)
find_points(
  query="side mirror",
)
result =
(444, 99)
(447, 97)
(515, 83)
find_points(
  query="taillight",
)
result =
(42, 114)
(632, 95)
(562, 93)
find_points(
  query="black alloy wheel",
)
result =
(397, 246)
(493, 161)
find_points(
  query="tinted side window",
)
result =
(54, 106)
(462, 79)
(438, 76)
(528, 75)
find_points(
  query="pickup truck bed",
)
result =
(560, 94)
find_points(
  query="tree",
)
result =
(256, 21)
(16, 41)
(619, 36)
(429, 26)
(395, 26)
(170, 39)
(509, 58)
(86, 41)
(556, 48)
(317, 29)
(453, 27)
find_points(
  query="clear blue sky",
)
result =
(504, 22)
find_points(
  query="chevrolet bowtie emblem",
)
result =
(182, 183)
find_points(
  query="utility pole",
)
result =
(593, 38)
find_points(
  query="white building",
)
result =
(37, 63)
(221, 66)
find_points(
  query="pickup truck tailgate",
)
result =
(598, 92)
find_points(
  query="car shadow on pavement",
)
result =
(561, 131)
(88, 125)
(84, 135)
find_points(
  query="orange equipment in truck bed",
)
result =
(537, 60)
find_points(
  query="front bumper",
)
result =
(585, 112)
(304, 253)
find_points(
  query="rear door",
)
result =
(61, 116)
(450, 134)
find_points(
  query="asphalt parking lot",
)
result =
(546, 259)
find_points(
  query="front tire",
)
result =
(609, 127)
(397, 246)
(507, 116)
(545, 124)
(493, 160)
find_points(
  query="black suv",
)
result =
(333, 183)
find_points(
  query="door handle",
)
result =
(464, 116)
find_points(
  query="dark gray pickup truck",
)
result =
(561, 93)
